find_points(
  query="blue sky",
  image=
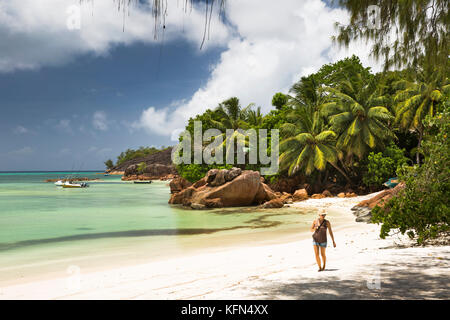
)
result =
(48, 114)
(70, 99)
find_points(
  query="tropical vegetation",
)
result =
(345, 125)
(131, 154)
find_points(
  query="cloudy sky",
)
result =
(75, 94)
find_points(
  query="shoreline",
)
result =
(282, 268)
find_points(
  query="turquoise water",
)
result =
(43, 228)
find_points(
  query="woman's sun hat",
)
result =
(322, 212)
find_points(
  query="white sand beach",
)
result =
(362, 266)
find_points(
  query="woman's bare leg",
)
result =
(324, 258)
(316, 251)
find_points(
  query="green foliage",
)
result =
(379, 169)
(307, 144)
(418, 98)
(276, 118)
(346, 69)
(228, 115)
(358, 114)
(421, 29)
(383, 165)
(255, 118)
(422, 209)
(272, 178)
(141, 167)
(130, 154)
(232, 115)
(109, 164)
(279, 100)
(338, 121)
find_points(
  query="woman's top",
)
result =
(322, 232)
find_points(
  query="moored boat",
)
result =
(391, 183)
(68, 184)
(143, 182)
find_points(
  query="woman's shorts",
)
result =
(320, 244)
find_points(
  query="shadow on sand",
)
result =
(396, 281)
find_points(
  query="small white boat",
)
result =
(68, 184)
(59, 183)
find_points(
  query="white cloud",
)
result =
(35, 33)
(276, 45)
(20, 130)
(99, 121)
(268, 47)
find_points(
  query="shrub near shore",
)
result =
(422, 209)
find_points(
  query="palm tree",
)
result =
(255, 117)
(417, 99)
(358, 114)
(308, 144)
(306, 93)
(232, 115)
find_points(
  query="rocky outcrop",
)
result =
(200, 183)
(178, 184)
(347, 195)
(363, 214)
(151, 172)
(161, 157)
(381, 198)
(300, 195)
(158, 167)
(327, 193)
(285, 197)
(225, 188)
(363, 210)
(169, 176)
(115, 173)
(74, 179)
(216, 177)
(275, 203)
(214, 203)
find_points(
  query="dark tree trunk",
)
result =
(324, 183)
(342, 172)
(318, 186)
(418, 145)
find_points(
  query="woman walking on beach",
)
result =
(319, 229)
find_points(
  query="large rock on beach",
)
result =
(363, 210)
(178, 184)
(275, 203)
(300, 195)
(216, 190)
(286, 197)
(327, 193)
